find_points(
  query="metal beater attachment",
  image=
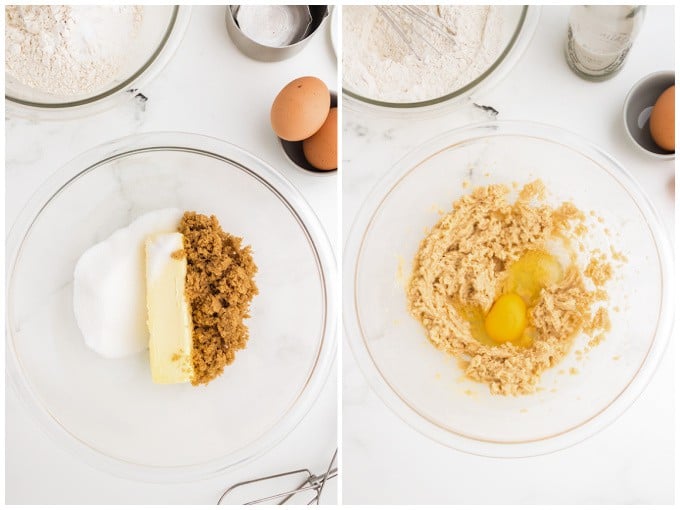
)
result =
(283, 482)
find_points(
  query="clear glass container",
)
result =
(424, 386)
(599, 38)
(160, 33)
(107, 411)
(519, 24)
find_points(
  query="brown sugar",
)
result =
(599, 270)
(219, 288)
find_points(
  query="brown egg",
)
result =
(662, 120)
(300, 109)
(321, 149)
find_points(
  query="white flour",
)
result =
(378, 64)
(68, 50)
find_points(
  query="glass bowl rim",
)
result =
(318, 241)
(176, 26)
(523, 22)
(352, 329)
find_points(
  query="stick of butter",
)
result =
(169, 316)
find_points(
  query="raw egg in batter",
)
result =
(508, 318)
(532, 272)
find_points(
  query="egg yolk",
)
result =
(507, 318)
(532, 272)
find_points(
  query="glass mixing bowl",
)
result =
(424, 386)
(159, 35)
(519, 24)
(107, 410)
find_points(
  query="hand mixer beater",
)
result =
(260, 486)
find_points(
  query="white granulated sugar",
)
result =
(379, 65)
(69, 50)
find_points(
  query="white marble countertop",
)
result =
(631, 461)
(208, 88)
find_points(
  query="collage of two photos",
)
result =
(339, 254)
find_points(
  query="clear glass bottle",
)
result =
(599, 38)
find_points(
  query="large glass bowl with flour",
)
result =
(63, 57)
(108, 411)
(417, 56)
(425, 386)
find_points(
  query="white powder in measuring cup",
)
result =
(274, 25)
(69, 50)
(379, 65)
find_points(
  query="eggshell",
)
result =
(662, 120)
(300, 109)
(321, 149)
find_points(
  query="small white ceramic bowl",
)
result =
(637, 109)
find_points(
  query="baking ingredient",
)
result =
(486, 267)
(662, 120)
(507, 319)
(300, 109)
(169, 317)
(599, 38)
(196, 281)
(274, 25)
(321, 149)
(108, 287)
(219, 288)
(379, 65)
(69, 50)
(532, 272)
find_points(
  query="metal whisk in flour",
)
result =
(379, 65)
(68, 50)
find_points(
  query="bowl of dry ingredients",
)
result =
(65, 56)
(508, 289)
(185, 321)
(413, 56)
